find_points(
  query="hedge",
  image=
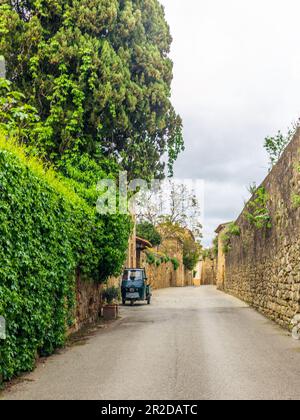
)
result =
(47, 230)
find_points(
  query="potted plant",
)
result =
(111, 297)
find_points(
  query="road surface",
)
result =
(192, 343)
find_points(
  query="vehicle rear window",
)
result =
(133, 275)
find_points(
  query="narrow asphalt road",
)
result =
(192, 343)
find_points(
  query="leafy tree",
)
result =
(16, 117)
(257, 211)
(231, 230)
(192, 248)
(99, 75)
(207, 253)
(175, 263)
(184, 208)
(191, 253)
(171, 203)
(215, 248)
(276, 145)
(147, 231)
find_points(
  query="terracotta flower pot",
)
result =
(110, 312)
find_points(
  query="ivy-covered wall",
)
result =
(262, 263)
(47, 231)
(161, 275)
(165, 267)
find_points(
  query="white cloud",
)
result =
(236, 80)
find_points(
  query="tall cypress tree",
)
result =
(99, 74)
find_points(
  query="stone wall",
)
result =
(263, 265)
(164, 275)
(209, 272)
(159, 277)
(88, 302)
(188, 278)
(221, 260)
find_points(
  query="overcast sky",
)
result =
(236, 80)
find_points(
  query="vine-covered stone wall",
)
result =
(167, 274)
(263, 264)
(47, 232)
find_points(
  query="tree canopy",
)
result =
(99, 75)
(191, 253)
(275, 145)
(173, 203)
(147, 231)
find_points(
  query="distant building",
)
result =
(221, 260)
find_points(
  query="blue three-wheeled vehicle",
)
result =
(135, 286)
